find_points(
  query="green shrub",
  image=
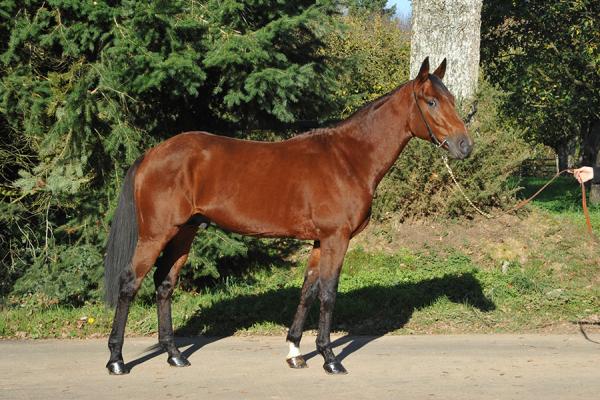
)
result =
(64, 274)
(419, 184)
(375, 54)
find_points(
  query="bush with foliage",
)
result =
(86, 87)
(376, 57)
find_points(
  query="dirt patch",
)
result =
(529, 236)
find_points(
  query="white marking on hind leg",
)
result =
(294, 351)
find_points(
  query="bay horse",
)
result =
(316, 186)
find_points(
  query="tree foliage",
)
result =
(370, 7)
(547, 55)
(86, 87)
(375, 56)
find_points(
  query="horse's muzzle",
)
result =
(460, 145)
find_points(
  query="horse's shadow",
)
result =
(374, 311)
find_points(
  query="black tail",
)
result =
(122, 238)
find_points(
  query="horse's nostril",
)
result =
(464, 146)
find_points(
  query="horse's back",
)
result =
(261, 188)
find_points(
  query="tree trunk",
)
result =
(591, 155)
(450, 29)
(567, 154)
(595, 194)
(563, 157)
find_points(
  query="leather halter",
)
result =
(434, 139)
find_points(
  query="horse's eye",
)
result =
(431, 103)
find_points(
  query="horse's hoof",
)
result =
(297, 362)
(178, 361)
(335, 368)
(117, 368)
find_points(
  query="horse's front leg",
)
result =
(310, 289)
(333, 251)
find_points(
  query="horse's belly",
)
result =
(263, 225)
(270, 217)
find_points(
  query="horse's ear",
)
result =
(424, 71)
(441, 70)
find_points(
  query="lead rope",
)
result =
(488, 216)
(522, 203)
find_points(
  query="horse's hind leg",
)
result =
(165, 278)
(310, 289)
(144, 257)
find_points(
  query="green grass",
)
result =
(562, 199)
(400, 293)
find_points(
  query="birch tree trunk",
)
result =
(450, 29)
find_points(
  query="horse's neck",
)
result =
(373, 142)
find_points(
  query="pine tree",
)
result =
(86, 87)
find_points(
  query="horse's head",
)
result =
(434, 116)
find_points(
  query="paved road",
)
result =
(389, 367)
